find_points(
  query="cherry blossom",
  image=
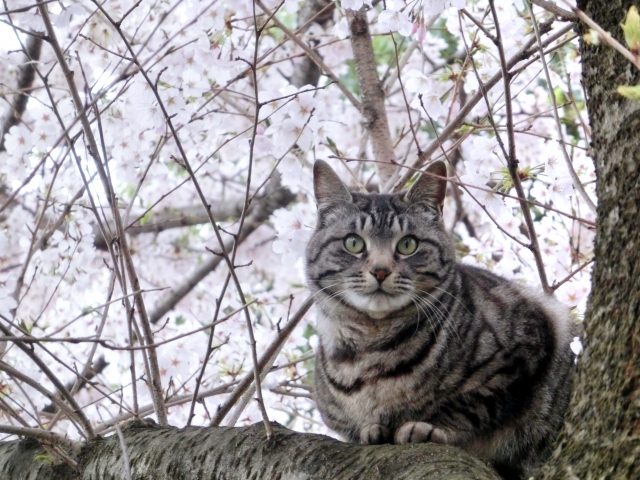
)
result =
(341, 29)
(64, 18)
(17, 141)
(199, 57)
(395, 21)
(429, 93)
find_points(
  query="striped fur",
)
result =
(436, 351)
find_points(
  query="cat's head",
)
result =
(378, 253)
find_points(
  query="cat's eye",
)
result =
(407, 245)
(354, 243)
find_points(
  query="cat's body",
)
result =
(415, 347)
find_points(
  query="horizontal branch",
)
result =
(162, 453)
(175, 218)
(275, 197)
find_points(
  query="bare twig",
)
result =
(125, 450)
(574, 176)
(556, 285)
(271, 351)
(312, 55)
(556, 10)
(72, 410)
(510, 155)
(156, 383)
(522, 54)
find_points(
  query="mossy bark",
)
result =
(601, 438)
(159, 453)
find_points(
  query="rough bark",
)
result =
(158, 453)
(601, 436)
(374, 111)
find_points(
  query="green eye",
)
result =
(407, 245)
(354, 243)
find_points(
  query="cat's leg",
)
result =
(419, 432)
(375, 434)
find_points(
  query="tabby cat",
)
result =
(415, 347)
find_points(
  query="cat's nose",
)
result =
(380, 273)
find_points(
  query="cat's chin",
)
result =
(376, 305)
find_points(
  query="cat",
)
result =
(415, 347)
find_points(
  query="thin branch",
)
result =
(123, 442)
(524, 53)
(574, 176)
(44, 436)
(272, 350)
(555, 285)
(155, 380)
(512, 161)
(556, 10)
(72, 410)
(605, 36)
(312, 55)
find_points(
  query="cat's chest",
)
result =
(381, 375)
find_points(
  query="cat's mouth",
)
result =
(381, 293)
(378, 302)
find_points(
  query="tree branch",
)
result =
(525, 52)
(175, 218)
(313, 55)
(157, 453)
(373, 110)
(154, 370)
(274, 198)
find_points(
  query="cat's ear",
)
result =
(428, 188)
(327, 187)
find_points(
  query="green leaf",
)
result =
(180, 320)
(44, 458)
(631, 92)
(631, 28)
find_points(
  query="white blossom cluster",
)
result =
(200, 57)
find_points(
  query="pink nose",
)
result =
(380, 273)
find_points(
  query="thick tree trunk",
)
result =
(601, 438)
(159, 453)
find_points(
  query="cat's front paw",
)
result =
(375, 434)
(419, 432)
